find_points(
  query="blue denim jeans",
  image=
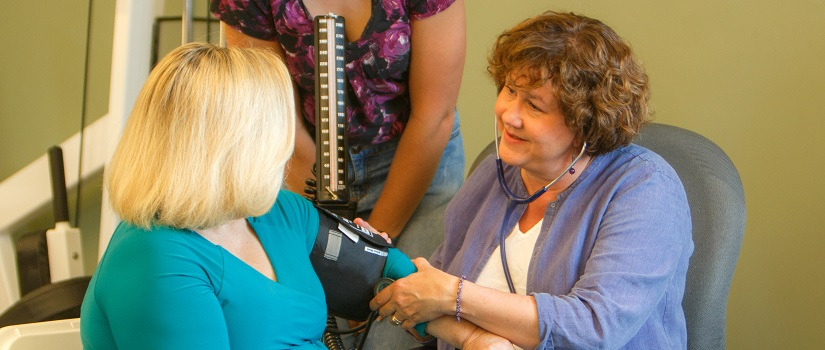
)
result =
(424, 231)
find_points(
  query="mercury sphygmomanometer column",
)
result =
(332, 192)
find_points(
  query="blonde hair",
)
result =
(207, 140)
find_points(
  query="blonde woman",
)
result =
(211, 253)
(200, 260)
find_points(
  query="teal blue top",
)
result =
(173, 289)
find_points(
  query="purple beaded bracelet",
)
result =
(458, 299)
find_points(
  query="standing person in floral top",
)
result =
(404, 60)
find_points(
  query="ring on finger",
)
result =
(395, 321)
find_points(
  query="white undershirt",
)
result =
(520, 246)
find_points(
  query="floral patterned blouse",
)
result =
(377, 63)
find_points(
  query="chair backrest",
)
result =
(61, 334)
(717, 205)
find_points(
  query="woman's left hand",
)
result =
(419, 297)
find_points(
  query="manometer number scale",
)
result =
(330, 110)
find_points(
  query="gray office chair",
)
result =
(717, 205)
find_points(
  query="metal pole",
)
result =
(222, 34)
(187, 35)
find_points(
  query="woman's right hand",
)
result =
(419, 297)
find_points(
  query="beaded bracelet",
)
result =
(458, 299)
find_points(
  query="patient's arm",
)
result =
(465, 335)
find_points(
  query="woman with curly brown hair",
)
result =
(597, 230)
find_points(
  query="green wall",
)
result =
(42, 77)
(746, 74)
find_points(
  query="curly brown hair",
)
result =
(601, 88)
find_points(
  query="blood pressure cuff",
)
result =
(348, 260)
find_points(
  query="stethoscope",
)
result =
(514, 200)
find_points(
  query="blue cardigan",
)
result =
(608, 270)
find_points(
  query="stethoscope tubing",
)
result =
(514, 200)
